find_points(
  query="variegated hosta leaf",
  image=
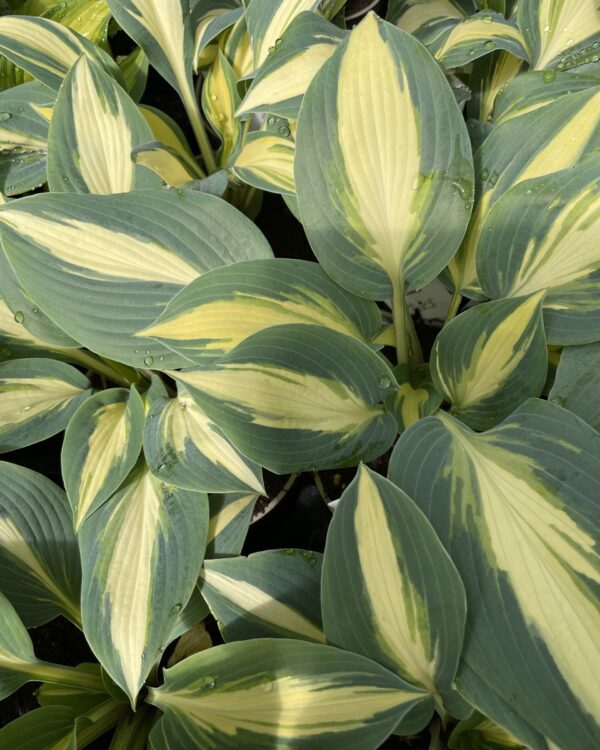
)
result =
(95, 127)
(269, 594)
(476, 36)
(479, 733)
(416, 397)
(134, 69)
(388, 217)
(162, 30)
(238, 49)
(560, 34)
(174, 168)
(537, 88)
(24, 114)
(77, 699)
(491, 358)
(220, 99)
(230, 516)
(194, 612)
(517, 509)
(577, 383)
(212, 24)
(16, 342)
(166, 131)
(102, 443)
(298, 396)
(103, 267)
(37, 399)
(26, 314)
(281, 81)
(427, 19)
(390, 591)
(48, 728)
(266, 161)
(542, 236)
(278, 692)
(213, 314)
(490, 76)
(39, 560)
(17, 658)
(537, 143)
(268, 19)
(47, 49)
(90, 18)
(184, 447)
(141, 553)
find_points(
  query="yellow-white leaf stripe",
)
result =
(560, 152)
(46, 43)
(288, 81)
(13, 542)
(183, 420)
(293, 708)
(569, 251)
(397, 607)
(93, 249)
(539, 546)
(421, 13)
(563, 24)
(381, 193)
(25, 398)
(505, 69)
(221, 324)
(411, 400)
(221, 520)
(254, 601)
(13, 139)
(105, 446)
(496, 354)
(10, 327)
(284, 399)
(280, 20)
(128, 581)
(105, 163)
(477, 30)
(271, 159)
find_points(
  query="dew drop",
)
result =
(549, 76)
(220, 116)
(213, 97)
(148, 360)
(284, 131)
(20, 316)
(162, 468)
(494, 177)
(5, 116)
(489, 44)
(487, 18)
(209, 682)
(176, 609)
(485, 173)
(35, 310)
(24, 409)
(271, 121)
(278, 41)
(546, 29)
(384, 381)
(266, 685)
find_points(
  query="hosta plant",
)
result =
(145, 315)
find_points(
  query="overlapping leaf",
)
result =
(94, 129)
(542, 236)
(577, 383)
(102, 443)
(37, 399)
(372, 218)
(298, 396)
(491, 358)
(516, 508)
(230, 516)
(268, 691)
(184, 447)
(269, 594)
(390, 591)
(103, 267)
(39, 560)
(141, 553)
(266, 161)
(216, 312)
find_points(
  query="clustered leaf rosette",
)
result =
(144, 314)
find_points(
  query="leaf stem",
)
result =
(126, 377)
(454, 305)
(193, 112)
(133, 729)
(408, 348)
(70, 676)
(101, 718)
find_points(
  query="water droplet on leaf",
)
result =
(20, 316)
(148, 360)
